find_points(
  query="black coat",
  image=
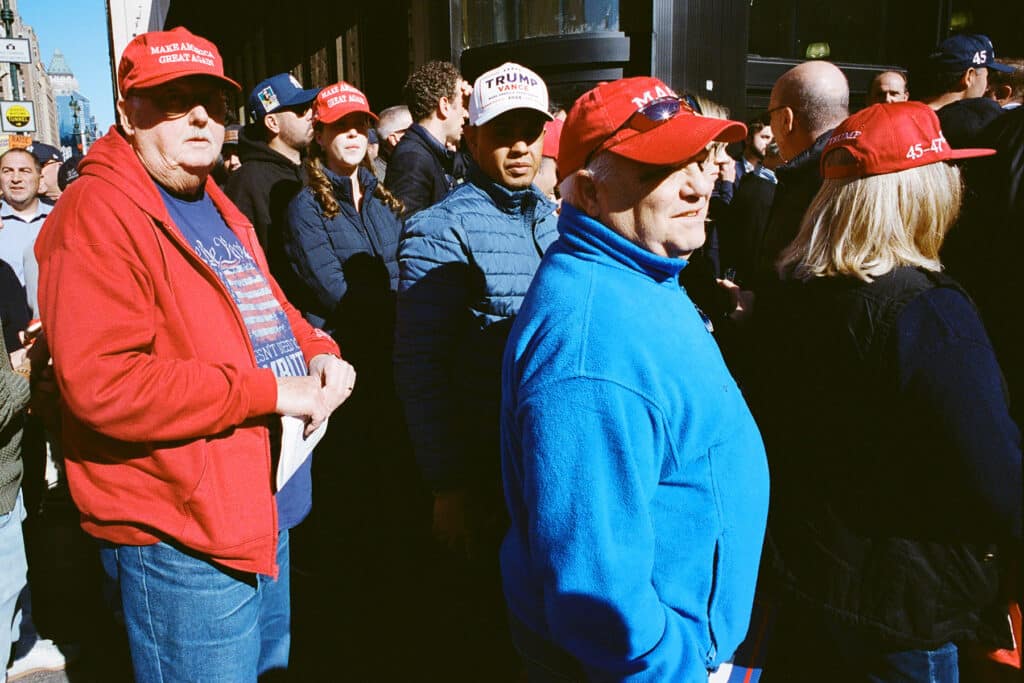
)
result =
(421, 172)
(871, 523)
(262, 188)
(799, 180)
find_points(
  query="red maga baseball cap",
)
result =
(160, 56)
(640, 119)
(886, 138)
(338, 100)
(552, 136)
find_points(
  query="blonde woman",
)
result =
(896, 469)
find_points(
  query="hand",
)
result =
(18, 357)
(337, 378)
(45, 402)
(741, 300)
(450, 520)
(302, 397)
(728, 170)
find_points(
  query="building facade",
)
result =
(730, 51)
(33, 85)
(75, 121)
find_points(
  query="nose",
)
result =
(199, 115)
(697, 185)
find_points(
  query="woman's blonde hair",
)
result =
(320, 185)
(866, 227)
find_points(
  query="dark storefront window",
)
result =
(868, 32)
(487, 22)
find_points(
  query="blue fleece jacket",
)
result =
(634, 474)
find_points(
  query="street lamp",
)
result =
(7, 16)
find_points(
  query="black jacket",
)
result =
(799, 181)
(962, 121)
(874, 521)
(261, 188)
(983, 250)
(421, 171)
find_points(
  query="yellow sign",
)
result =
(18, 116)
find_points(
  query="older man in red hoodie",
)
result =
(176, 353)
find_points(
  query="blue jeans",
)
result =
(805, 648)
(191, 620)
(13, 570)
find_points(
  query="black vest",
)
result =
(856, 527)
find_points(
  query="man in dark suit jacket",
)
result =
(425, 165)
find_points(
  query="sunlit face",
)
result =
(344, 141)
(458, 114)
(758, 142)
(888, 87)
(662, 209)
(295, 125)
(508, 148)
(19, 179)
(177, 129)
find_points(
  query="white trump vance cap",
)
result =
(507, 87)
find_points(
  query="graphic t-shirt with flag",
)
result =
(273, 342)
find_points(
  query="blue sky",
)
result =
(78, 28)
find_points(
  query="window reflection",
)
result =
(486, 22)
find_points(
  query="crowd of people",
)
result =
(476, 387)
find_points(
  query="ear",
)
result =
(968, 79)
(444, 108)
(586, 193)
(271, 123)
(123, 118)
(788, 118)
(1002, 93)
(393, 140)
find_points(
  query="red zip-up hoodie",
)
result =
(165, 409)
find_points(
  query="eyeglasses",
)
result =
(647, 118)
(775, 109)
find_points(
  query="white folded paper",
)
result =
(295, 448)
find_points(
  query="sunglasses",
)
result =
(648, 117)
(178, 100)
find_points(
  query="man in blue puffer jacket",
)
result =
(465, 264)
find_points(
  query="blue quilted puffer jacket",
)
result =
(350, 255)
(465, 265)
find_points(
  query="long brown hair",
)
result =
(320, 185)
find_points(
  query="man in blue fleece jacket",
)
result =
(635, 477)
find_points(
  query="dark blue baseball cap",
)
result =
(278, 92)
(965, 50)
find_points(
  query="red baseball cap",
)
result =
(886, 138)
(640, 119)
(338, 100)
(160, 56)
(552, 135)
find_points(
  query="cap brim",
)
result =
(300, 97)
(331, 118)
(167, 78)
(491, 115)
(1005, 68)
(971, 152)
(677, 140)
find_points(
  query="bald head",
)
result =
(807, 101)
(888, 86)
